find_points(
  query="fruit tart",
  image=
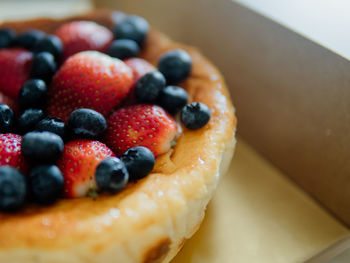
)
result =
(112, 140)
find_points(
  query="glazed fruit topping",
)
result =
(78, 164)
(46, 184)
(91, 80)
(93, 115)
(42, 147)
(29, 38)
(54, 125)
(13, 188)
(149, 86)
(195, 115)
(29, 119)
(132, 27)
(80, 36)
(7, 118)
(139, 162)
(123, 49)
(86, 123)
(175, 65)
(7, 36)
(51, 44)
(43, 66)
(111, 175)
(141, 125)
(32, 94)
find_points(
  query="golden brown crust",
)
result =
(168, 205)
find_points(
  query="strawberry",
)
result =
(10, 152)
(141, 125)
(78, 164)
(91, 80)
(15, 66)
(139, 68)
(83, 35)
(9, 101)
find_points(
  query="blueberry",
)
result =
(51, 44)
(46, 184)
(13, 188)
(7, 36)
(86, 123)
(29, 38)
(195, 115)
(139, 162)
(111, 175)
(32, 94)
(42, 147)
(54, 125)
(28, 119)
(7, 119)
(123, 49)
(43, 66)
(172, 98)
(132, 27)
(175, 65)
(149, 86)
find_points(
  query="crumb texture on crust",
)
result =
(149, 220)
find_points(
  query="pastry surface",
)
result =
(149, 220)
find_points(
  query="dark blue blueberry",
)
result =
(28, 120)
(173, 99)
(42, 147)
(32, 94)
(51, 44)
(111, 175)
(7, 119)
(139, 162)
(13, 188)
(43, 66)
(7, 36)
(132, 27)
(175, 65)
(149, 86)
(195, 115)
(29, 38)
(86, 123)
(54, 125)
(46, 184)
(123, 49)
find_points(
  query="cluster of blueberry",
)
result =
(44, 136)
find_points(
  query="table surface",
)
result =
(257, 214)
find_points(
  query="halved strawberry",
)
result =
(15, 66)
(141, 125)
(139, 68)
(10, 152)
(80, 36)
(78, 164)
(9, 101)
(91, 80)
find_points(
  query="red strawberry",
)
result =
(78, 163)
(10, 152)
(83, 35)
(89, 79)
(139, 68)
(141, 125)
(8, 101)
(15, 66)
